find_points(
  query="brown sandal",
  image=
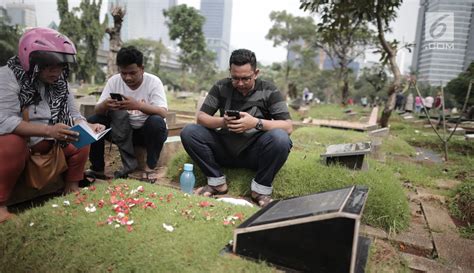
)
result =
(262, 200)
(211, 190)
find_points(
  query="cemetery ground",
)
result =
(418, 214)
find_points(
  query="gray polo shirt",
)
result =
(264, 101)
(10, 112)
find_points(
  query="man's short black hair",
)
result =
(129, 55)
(243, 56)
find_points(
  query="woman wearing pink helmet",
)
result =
(36, 80)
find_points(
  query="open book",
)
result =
(86, 135)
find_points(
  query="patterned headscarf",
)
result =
(29, 94)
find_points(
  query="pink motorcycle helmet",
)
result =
(45, 46)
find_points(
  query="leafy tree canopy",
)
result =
(459, 85)
(9, 36)
(185, 26)
(82, 25)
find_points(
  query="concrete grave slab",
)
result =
(455, 251)
(421, 264)
(416, 239)
(428, 195)
(382, 132)
(459, 131)
(438, 218)
(373, 232)
(447, 184)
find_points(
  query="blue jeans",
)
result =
(151, 135)
(266, 155)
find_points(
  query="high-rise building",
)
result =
(218, 14)
(21, 14)
(145, 19)
(444, 40)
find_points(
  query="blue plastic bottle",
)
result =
(187, 179)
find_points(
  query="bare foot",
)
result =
(4, 214)
(71, 187)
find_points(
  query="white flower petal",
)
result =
(169, 228)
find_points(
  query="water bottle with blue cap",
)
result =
(187, 179)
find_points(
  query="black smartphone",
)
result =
(233, 113)
(116, 96)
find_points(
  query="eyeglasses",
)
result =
(246, 79)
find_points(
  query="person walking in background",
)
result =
(363, 101)
(428, 102)
(418, 104)
(399, 99)
(409, 103)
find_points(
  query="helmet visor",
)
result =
(47, 58)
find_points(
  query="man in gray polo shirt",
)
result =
(256, 138)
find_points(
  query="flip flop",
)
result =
(211, 190)
(147, 176)
(87, 180)
(95, 174)
(262, 200)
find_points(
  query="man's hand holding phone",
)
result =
(238, 122)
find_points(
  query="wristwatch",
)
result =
(259, 125)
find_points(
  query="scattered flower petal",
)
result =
(168, 228)
(66, 203)
(205, 204)
(54, 205)
(90, 208)
(32, 224)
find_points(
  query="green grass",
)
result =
(188, 104)
(303, 173)
(69, 239)
(332, 111)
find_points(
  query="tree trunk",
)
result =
(391, 55)
(287, 72)
(115, 40)
(345, 86)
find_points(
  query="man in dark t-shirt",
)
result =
(257, 137)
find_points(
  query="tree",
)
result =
(379, 13)
(459, 86)
(9, 36)
(342, 36)
(83, 27)
(185, 26)
(152, 51)
(289, 30)
(372, 82)
(117, 13)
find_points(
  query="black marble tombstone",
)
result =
(312, 233)
(350, 155)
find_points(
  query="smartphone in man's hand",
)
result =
(233, 113)
(116, 96)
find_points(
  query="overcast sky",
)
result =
(250, 23)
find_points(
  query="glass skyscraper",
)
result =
(444, 40)
(218, 14)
